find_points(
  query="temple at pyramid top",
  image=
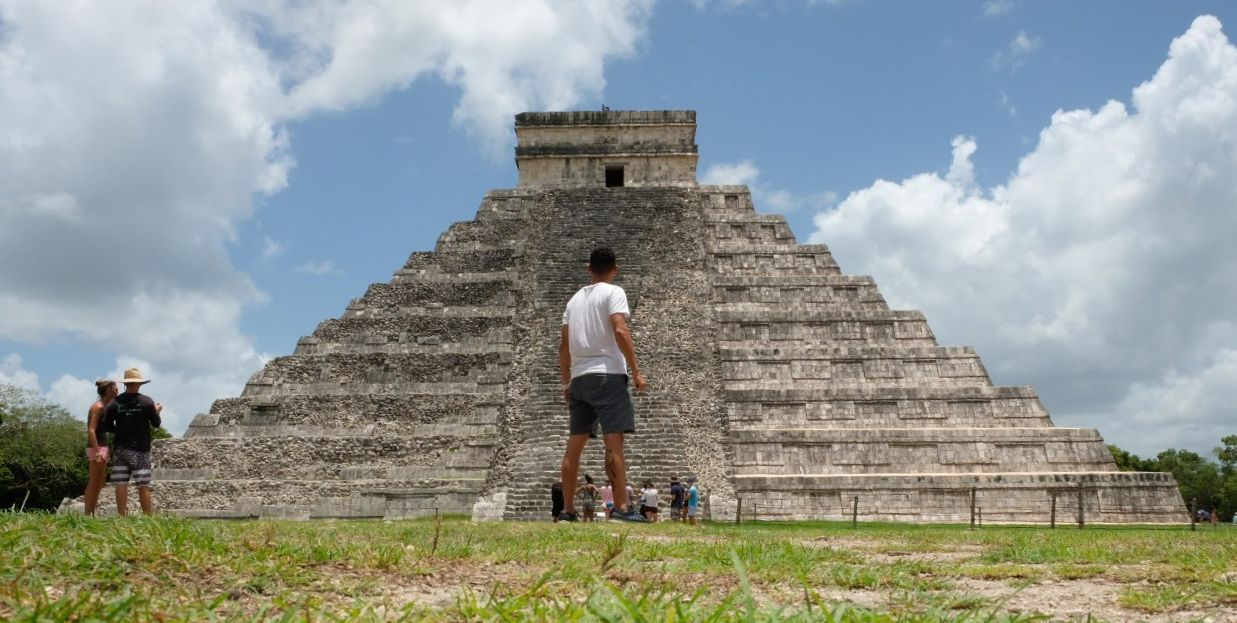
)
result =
(608, 148)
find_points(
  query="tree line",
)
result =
(1208, 483)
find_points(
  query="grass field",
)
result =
(74, 568)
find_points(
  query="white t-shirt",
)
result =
(589, 332)
(650, 497)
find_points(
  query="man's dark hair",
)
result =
(601, 260)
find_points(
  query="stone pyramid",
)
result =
(782, 384)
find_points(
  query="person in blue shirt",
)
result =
(693, 502)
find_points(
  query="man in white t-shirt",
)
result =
(594, 354)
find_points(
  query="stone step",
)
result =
(378, 368)
(427, 346)
(315, 499)
(484, 384)
(752, 326)
(853, 366)
(749, 229)
(414, 294)
(773, 260)
(505, 204)
(385, 413)
(876, 413)
(977, 395)
(414, 329)
(725, 199)
(433, 310)
(369, 430)
(494, 233)
(407, 277)
(1010, 497)
(469, 261)
(921, 354)
(324, 458)
(915, 450)
(858, 292)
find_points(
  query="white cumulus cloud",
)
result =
(13, 373)
(1102, 271)
(504, 57)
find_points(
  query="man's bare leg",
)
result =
(571, 469)
(143, 498)
(616, 469)
(122, 500)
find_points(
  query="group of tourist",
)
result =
(129, 417)
(684, 501)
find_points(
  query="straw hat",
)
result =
(134, 376)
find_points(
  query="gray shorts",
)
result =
(603, 397)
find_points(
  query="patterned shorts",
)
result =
(130, 465)
(91, 453)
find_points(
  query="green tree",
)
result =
(1130, 462)
(41, 451)
(1227, 454)
(1198, 478)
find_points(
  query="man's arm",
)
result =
(564, 364)
(622, 335)
(156, 409)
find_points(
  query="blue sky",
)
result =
(266, 162)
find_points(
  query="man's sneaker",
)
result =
(629, 515)
(569, 517)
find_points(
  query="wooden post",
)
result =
(979, 514)
(738, 513)
(972, 508)
(1193, 514)
(1053, 513)
(854, 512)
(1082, 518)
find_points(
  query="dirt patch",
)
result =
(664, 538)
(880, 552)
(1076, 599)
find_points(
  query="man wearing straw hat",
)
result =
(131, 417)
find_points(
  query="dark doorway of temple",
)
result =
(614, 177)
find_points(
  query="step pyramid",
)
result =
(786, 387)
